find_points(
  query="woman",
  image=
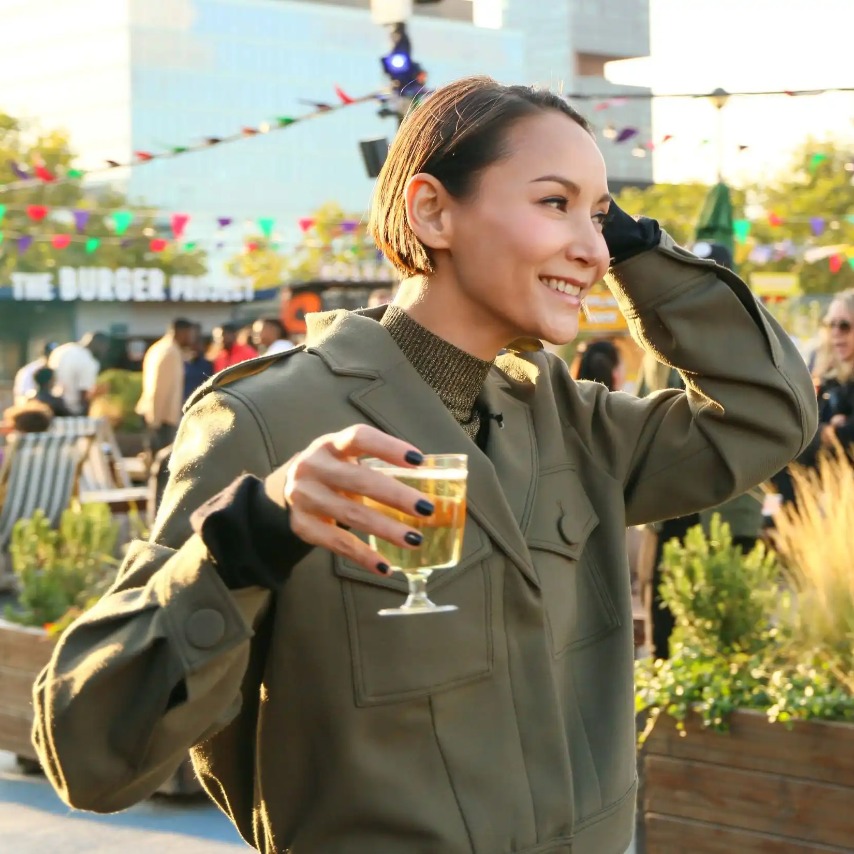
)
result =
(247, 627)
(601, 363)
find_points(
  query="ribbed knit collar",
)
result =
(456, 376)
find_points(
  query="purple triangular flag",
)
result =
(81, 218)
(817, 225)
(626, 133)
(348, 226)
(24, 243)
(20, 172)
(224, 221)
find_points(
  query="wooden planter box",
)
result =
(24, 652)
(759, 788)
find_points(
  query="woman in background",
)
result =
(601, 363)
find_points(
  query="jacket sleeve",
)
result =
(748, 407)
(156, 665)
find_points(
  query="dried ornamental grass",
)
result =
(814, 540)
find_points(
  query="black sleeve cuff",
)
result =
(627, 236)
(249, 536)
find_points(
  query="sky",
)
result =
(743, 45)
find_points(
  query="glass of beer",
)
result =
(442, 479)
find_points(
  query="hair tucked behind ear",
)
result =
(458, 131)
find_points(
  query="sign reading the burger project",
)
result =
(124, 284)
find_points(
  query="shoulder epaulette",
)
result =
(238, 372)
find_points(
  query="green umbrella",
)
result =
(715, 223)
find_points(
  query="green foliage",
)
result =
(61, 569)
(731, 649)
(120, 393)
(721, 599)
(807, 188)
(25, 145)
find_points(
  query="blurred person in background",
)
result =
(45, 379)
(380, 296)
(24, 384)
(228, 350)
(601, 363)
(29, 417)
(268, 335)
(163, 384)
(197, 368)
(833, 377)
(77, 365)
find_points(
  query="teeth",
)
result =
(563, 287)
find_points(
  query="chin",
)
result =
(559, 336)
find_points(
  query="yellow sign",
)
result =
(605, 315)
(775, 284)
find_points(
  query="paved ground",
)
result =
(33, 820)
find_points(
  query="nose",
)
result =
(586, 246)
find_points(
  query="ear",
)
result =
(427, 211)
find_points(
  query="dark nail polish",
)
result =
(413, 538)
(425, 508)
(384, 568)
(413, 458)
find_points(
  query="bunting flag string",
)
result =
(41, 175)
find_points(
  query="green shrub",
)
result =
(120, 394)
(735, 644)
(63, 569)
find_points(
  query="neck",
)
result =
(441, 309)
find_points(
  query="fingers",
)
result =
(361, 440)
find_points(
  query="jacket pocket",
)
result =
(402, 657)
(578, 606)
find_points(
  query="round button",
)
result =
(205, 628)
(564, 525)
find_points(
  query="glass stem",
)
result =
(418, 590)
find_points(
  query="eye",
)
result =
(559, 203)
(600, 218)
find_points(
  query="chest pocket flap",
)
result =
(578, 606)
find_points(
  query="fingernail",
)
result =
(413, 538)
(425, 508)
(413, 458)
(384, 568)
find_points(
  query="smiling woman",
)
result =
(248, 630)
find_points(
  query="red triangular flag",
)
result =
(36, 212)
(143, 156)
(179, 223)
(45, 174)
(306, 223)
(158, 244)
(773, 219)
(345, 98)
(252, 246)
(835, 263)
(60, 241)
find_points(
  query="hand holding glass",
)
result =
(442, 479)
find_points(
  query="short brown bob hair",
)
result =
(457, 132)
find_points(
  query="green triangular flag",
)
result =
(816, 160)
(74, 173)
(266, 223)
(2, 211)
(189, 247)
(741, 229)
(1, 236)
(283, 121)
(122, 221)
(92, 244)
(179, 149)
(850, 260)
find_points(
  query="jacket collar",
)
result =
(392, 396)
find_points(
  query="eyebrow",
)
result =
(571, 187)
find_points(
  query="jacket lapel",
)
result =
(393, 397)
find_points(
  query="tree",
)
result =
(811, 203)
(26, 148)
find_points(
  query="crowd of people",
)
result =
(64, 379)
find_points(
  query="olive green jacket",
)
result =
(506, 726)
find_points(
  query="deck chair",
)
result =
(102, 466)
(40, 472)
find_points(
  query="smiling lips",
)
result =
(563, 286)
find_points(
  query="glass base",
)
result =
(419, 609)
